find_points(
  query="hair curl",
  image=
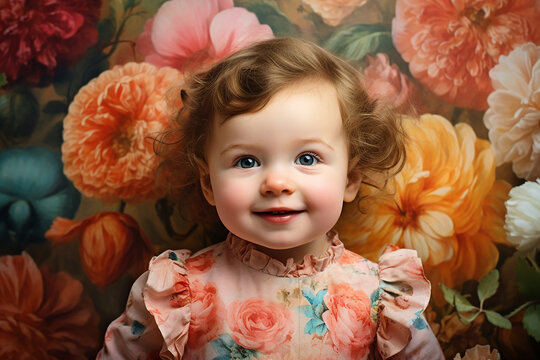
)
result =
(245, 82)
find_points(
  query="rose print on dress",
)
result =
(349, 320)
(201, 263)
(206, 314)
(260, 324)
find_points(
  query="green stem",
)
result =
(533, 262)
(455, 115)
(121, 206)
(523, 306)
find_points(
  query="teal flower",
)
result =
(314, 312)
(33, 192)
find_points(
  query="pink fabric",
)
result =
(238, 302)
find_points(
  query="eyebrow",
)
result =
(254, 147)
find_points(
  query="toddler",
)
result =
(275, 138)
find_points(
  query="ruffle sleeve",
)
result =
(167, 299)
(156, 319)
(404, 294)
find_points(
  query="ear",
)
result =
(206, 184)
(354, 180)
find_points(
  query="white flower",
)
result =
(513, 117)
(522, 222)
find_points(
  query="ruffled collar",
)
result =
(250, 256)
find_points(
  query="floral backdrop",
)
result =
(83, 90)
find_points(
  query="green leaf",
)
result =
(528, 279)
(498, 320)
(272, 16)
(531, 321)
(3, 79)
(457, 300)
(55, 107)
(488, 285)
(356, 41)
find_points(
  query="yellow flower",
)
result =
(445, 203)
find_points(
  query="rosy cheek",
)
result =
(232, 197)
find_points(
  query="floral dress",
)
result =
(230, 301)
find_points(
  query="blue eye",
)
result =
(307, 159)
(246, 163)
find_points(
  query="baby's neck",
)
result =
(316, 248)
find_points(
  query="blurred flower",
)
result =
(386, 83)
(455, 336)
(193, 33)
(452, 45)
(333, 11)
(110, 243)
(44, 315)
(513, 117)
(33, 191)
(446, 205)
(108, 150)
(19, 114)
(37, 37)
(479, 352)
(523, 216)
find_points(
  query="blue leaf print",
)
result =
(173, 256)
(137, 328)
(419, 323)
(227, 348)
(314, 312)
(375, 296)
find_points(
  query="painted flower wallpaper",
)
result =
(85, 87)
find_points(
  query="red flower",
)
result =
(110, 244)
(36, 37)
(43, 315)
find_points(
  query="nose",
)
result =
(277, 183)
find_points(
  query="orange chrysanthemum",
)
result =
(451, 45)
(43, 315)
(447, 204)
(107, 150)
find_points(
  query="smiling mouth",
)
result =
(278, 216)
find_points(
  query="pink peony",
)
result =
(333, 11)
(260, 324)
(36, 37)
(452, 45)
(385, 82)
(201, 263)
(513, 117)
(206, 314)
(348, 319)
(193, 32)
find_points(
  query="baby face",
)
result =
(278, 177)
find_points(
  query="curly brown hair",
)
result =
(245, 82)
